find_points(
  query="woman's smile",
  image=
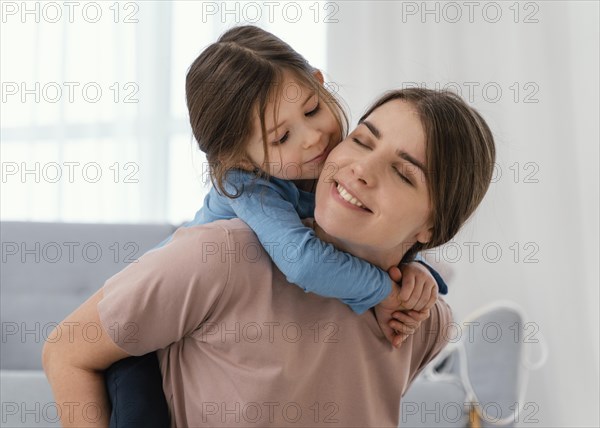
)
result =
(340, 194)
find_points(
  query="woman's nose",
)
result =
(362, 170)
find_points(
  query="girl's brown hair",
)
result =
(233, 78)
(460, 156)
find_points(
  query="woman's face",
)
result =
(372, 197)
(299, 141)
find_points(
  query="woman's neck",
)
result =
(383, 258)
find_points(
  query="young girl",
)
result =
(266, 123)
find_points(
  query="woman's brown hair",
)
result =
(235, 77)
(460, 156)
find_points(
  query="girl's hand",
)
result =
(397, 325)
(419, 290)
(385, 309)
(405, 324)
(394, 315)
(383, 314)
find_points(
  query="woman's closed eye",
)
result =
(402, 177)
(396, 170)
(357, 141)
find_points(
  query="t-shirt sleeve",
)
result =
(168, 292)
(431, 337)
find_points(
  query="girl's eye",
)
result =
(282, 139)
(314, 111)
(357, 141)
(402, 177)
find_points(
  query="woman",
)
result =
(236, 344)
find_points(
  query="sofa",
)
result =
(48, 269)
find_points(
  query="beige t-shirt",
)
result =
(240, 346)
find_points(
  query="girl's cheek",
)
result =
(332, 125)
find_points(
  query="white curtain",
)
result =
(94, 121)
(535, 238)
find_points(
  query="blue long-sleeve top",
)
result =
(273, 209)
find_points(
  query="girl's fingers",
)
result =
(412, 316)
(413, 299)
(399, 339)
(395, 274)
(401, 328)
(405, 317)
(406, 289)
(429, 291)
(421, 315)
(432, 299)
(423, 298)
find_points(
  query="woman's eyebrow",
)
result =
(374, 130)
(409, 158)
(400, 153)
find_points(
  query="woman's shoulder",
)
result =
(436, 329)
(226, 227)
(233, 232)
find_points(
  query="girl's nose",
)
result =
(312, 137)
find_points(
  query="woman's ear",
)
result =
(424, 236)
(319, 76)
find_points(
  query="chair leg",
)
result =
(474, 420)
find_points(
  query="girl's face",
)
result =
(300, 141)
(372, 199)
